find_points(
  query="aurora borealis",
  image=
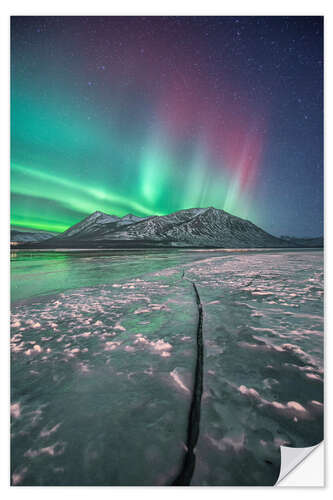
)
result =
(149, 115)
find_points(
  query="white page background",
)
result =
(310, 472)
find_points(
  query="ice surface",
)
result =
(263, 366)
(103, 355)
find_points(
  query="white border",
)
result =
(143, 7)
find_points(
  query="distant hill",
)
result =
(306, 242)
(17, 236)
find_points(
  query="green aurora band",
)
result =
(63, 170)
(150, 115)
(113, 139)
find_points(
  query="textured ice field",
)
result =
(103, 357)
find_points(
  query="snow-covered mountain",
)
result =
(96, 224)
(196, 227)
(29, 236)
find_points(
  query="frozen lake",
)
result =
(104, 353)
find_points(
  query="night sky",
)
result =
(149, 115)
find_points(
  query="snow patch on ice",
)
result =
(175, 376)
(15, 410)
(160, 346)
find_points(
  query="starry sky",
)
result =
(149, 115)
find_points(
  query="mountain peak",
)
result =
(102, 217)
(214, 210)
(98, 214)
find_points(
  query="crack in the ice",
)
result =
(186, 473)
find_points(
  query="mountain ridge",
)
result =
(188, 228)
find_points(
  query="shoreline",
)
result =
(192, 249)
